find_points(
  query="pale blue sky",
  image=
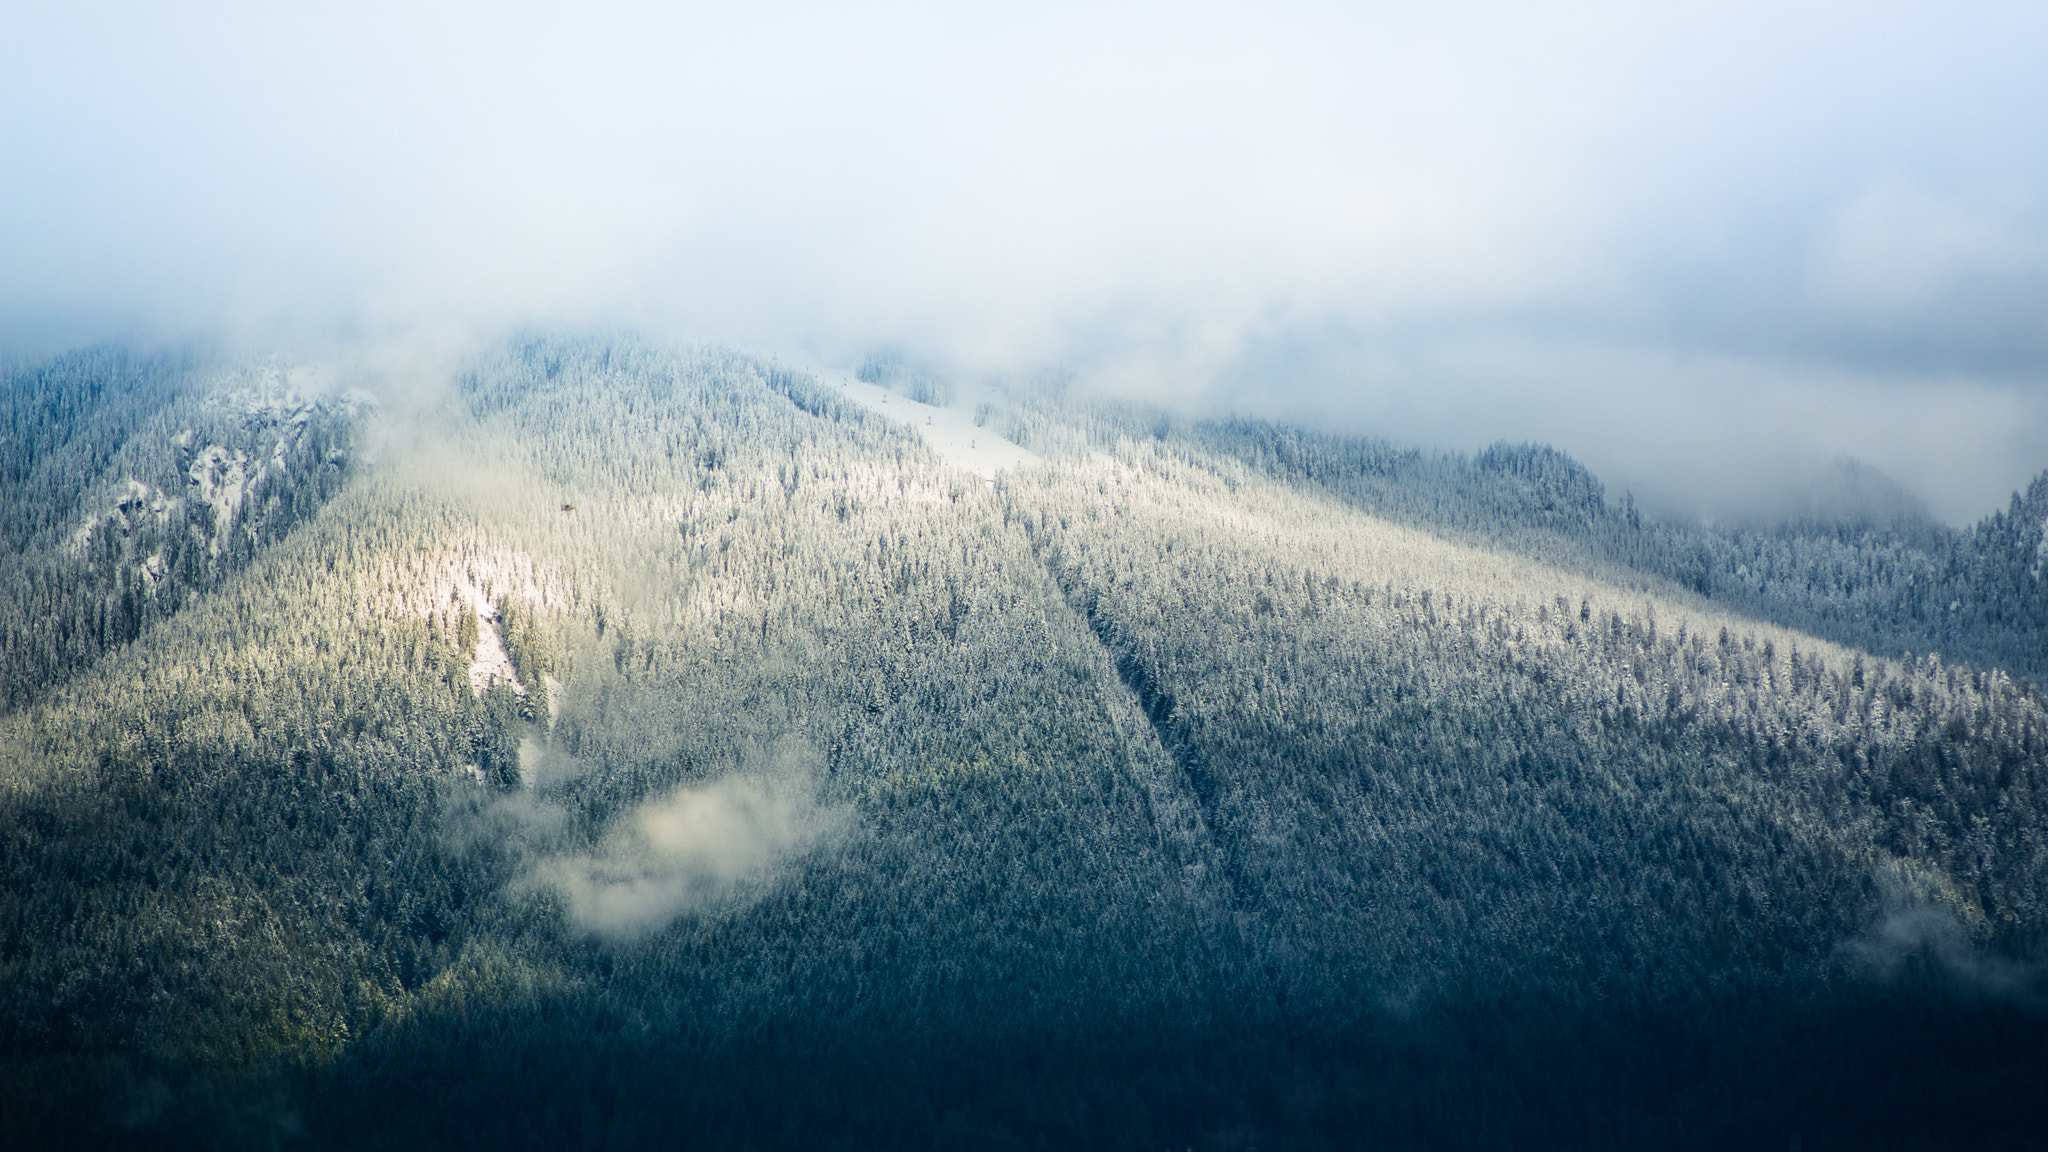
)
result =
(1698, 246)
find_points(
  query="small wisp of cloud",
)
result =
(697, 849)
(1915, 926)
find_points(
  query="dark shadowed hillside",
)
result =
(664, 748)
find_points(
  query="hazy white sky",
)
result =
(1697, 246)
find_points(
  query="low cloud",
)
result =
(1699, 433)
(697, 849)
(1897, 252)
(1729, 235)
(519, 824)
(1921, 930)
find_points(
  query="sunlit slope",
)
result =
(1432, 767)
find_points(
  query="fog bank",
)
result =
(1696, 246)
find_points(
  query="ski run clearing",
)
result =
(949, 432)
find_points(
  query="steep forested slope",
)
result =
(127, 484)
(653, 747)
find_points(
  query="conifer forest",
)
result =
(627, 745)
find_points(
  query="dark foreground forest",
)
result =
(626, 748)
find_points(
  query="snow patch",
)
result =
(220, 480)
(122, 511)
(435, 585)
(491, 663)
(949, 432)
(475, 579)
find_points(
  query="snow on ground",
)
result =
(468, 572)
(949, 432)
(492, 664)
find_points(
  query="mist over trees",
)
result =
(649, 743)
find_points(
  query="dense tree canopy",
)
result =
(642, 745)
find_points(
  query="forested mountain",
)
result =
(660, 747)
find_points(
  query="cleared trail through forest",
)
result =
(1236, 941)
(951, 433)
